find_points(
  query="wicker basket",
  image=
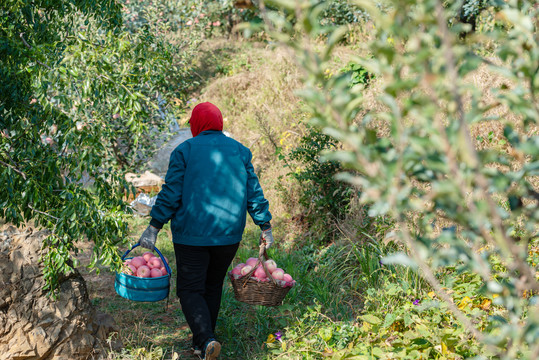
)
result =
(251, 291)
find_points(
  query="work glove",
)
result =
(149, 237)
(267, 236)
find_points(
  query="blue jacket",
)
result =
(209, 188)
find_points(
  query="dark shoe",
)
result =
(212, 348)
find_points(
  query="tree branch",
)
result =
(43, 213)
(14, 169)
(21, 35)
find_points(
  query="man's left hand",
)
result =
(267, 236)
(149, 237)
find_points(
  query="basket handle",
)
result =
(158, 252)
(261, 253)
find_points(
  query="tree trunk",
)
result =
(34, 326)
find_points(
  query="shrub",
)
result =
(321, 194)
(342, 13)
(197, 18)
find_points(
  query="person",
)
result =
(210, 186)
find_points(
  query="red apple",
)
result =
(164, 270)
(236, 271)
(137, 262)
(155, 273)
(251, 261)
(278, 274)
(155, 262)
(287, 278)
(132, 269)
(271, 265)
(147, 256)
(260, 273)
(129, 269)
(143, 271)
(246, 269)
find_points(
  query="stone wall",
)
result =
(34, 326)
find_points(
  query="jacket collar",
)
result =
(210, 132)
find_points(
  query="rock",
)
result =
(145, 183)
(34, 326)
(6, 231)
(159, 163)
(147, 179)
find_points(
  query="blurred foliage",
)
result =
(206, 18)
(339, 12)
(424, 168)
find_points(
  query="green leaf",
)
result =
(371, 319)
(325, 333)
(408, 320)
(389, 320)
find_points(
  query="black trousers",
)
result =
(201, 272)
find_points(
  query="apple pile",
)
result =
(146, 266)
(243, 269)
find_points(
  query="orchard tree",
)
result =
(468, 13)
(426, 168)
(77, 103)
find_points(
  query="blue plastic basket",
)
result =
(143, 289)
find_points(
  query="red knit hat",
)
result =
(205, 116)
